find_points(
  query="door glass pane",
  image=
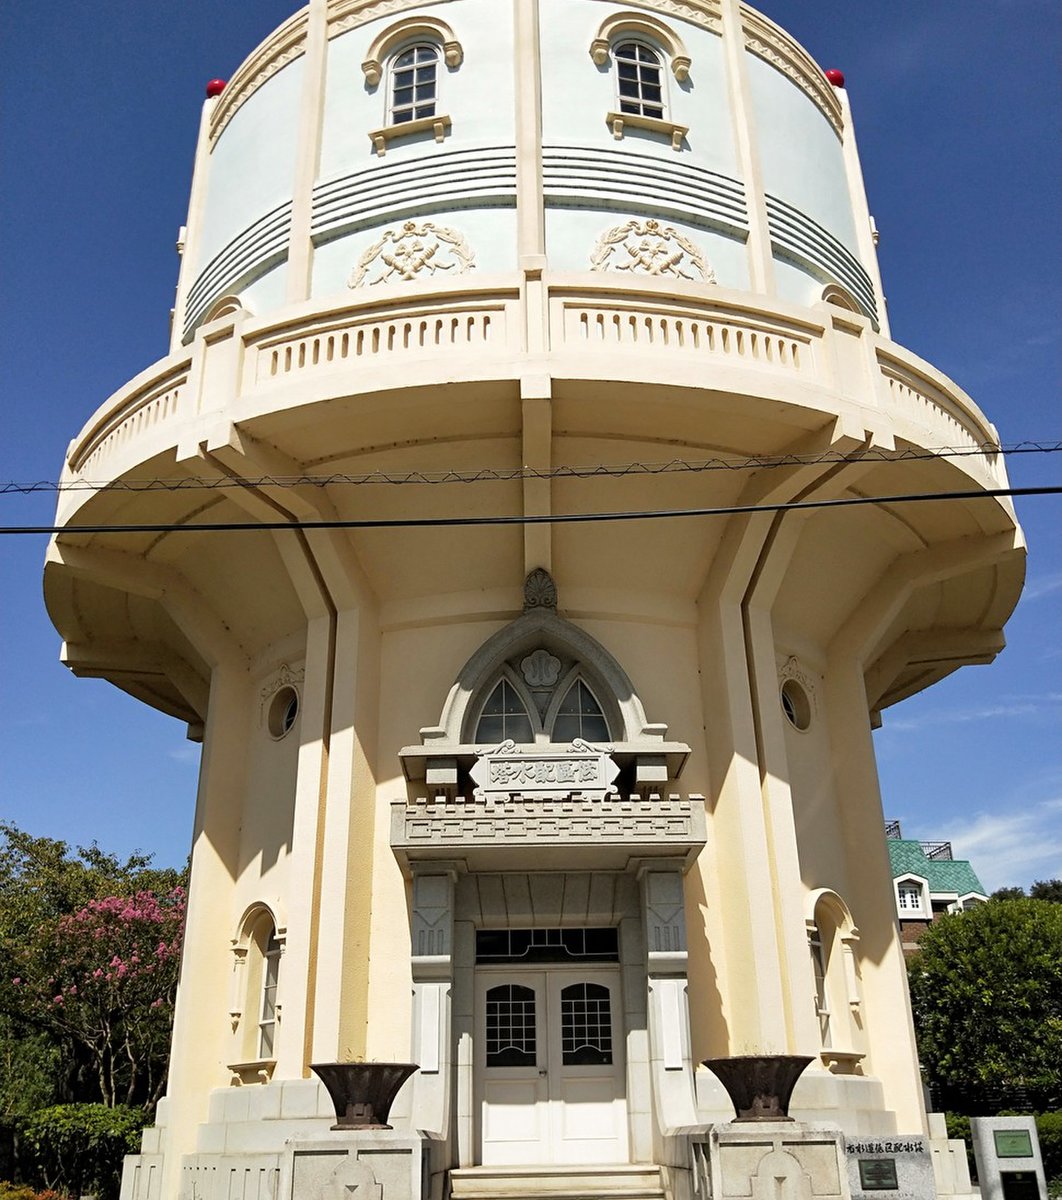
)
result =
(510, 1026)
(586, 1025)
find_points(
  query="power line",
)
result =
(508, 474)
(547, 519)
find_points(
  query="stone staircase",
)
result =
(597, 1182)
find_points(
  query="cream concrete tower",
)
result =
(553, 808)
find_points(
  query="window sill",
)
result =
(440, 125)
(619, 121)
(842, 1062)
(260, 1070)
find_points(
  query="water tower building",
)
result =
(554, 807)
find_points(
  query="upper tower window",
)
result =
(411, 53)
(638, 80)
(414, 83)
(640, 49)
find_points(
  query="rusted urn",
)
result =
(362, 1092)
(759, 1085)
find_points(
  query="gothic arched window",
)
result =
(579, 716)
(504, 716)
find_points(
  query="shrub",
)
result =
(959, 1127)
(1049, 1131)
(20, 1191)
(79, 1148)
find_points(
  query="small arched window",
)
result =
(639, 80)
(833, 941)
(504, 716)
(267, 1020)
(414, 83)
(579, 716)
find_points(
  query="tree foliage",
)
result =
(1047, 889)
(89, 948)
(986, 988)
(78, 1148)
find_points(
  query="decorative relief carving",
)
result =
(284, 676)
(586, 770)
(539, 590)
(676, 822)
(540, 669)
(414, 248)
(665, 912)
(791, 669)
(648, 248)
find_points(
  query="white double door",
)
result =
(550, 1066)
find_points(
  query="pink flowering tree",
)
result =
(101, 981)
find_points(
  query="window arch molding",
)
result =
(641, 27)
(260, 937)
(543, 629)
(406, 32)
(833, 940)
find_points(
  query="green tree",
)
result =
(986, 988)
(1047, 889)
(65, 914)
(1008, 893)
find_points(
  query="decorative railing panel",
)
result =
(151, 404)
(467, 327)
(596, 324)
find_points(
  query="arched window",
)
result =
(531, 703)
(414, 83)
(832, 942)
(267, 1021)
(639, 82)
(579, 716)
(504, 716)
(255, 1006)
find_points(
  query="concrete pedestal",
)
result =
(783, 1160)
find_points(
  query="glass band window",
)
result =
(414, 84)
(638, 80)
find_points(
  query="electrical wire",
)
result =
(508, 474)
(544, 519)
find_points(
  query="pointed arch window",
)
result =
(580, 716)
(504, 716)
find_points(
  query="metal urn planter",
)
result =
(759, 1085)
(362, 1092)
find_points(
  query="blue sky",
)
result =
(958, 112)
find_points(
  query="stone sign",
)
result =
(584, 770)
(893, 1168)
(1009, 1163)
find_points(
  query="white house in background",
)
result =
(929, 882)
(554, 807)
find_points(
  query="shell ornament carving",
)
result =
(649, 248)
(404, 253)
(540, 591)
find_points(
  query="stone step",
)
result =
(621, 1181)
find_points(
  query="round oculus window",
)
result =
(283, 709)
(796, 704)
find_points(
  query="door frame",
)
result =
(548, 1075)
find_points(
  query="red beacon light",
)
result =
(835, 77)
(214, 88)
